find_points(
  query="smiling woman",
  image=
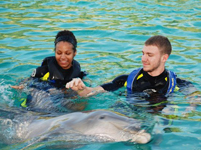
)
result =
(64, 54)
(62, 67)
(55, 71)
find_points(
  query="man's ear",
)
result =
(165, 57)
(75, 53)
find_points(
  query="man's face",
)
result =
(153, 61)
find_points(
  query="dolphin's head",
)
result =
(112, 126)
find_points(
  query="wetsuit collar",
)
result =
(154, 79)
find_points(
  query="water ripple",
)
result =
(110, 36)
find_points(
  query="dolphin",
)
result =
(45, 97)
(103, 125)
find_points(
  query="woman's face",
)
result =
(64, 54)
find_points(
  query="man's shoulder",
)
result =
(122, 77)
(183, 82)
(134, 73)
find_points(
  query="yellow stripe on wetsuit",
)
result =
(138, 77)
(24, 100)
(45, 77)
(176, 87)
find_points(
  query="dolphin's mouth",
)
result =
(132, 129)
(128, 126)
(134, 133)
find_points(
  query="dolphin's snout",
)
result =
(142, 137)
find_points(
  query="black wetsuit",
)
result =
(147, 88)
(57, 79)
(157, 83)
(58, 75)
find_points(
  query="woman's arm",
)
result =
(19, 87)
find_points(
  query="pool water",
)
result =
(110, 38)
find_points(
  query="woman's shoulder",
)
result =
(76, 63)
(47, 59)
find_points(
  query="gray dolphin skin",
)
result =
(101, 124)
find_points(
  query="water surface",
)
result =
(110, 38)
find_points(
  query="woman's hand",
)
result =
(19, 87)
(76, 84)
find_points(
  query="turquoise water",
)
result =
(110, 38)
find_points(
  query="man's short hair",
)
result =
(161, 42)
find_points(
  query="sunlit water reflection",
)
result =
(110, 38)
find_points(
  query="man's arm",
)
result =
(77, 85)
(186, 87)
(117, 83)
(190, 92)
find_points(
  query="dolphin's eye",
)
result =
(102, 117)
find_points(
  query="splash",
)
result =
(5, 94)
